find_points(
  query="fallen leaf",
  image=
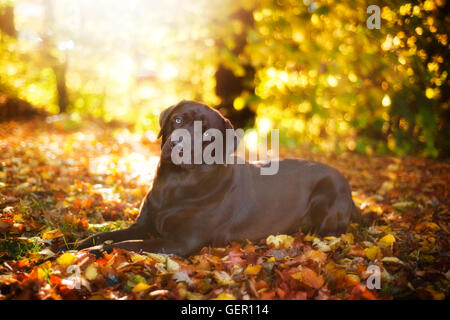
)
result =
(386, 187)
(318, 256)
(321, 245)
(66, 260)
(225, 296)
(372, 252)
(386, 241)
(281, 241)
(172, 266)
(46, 252)
(91, 272)
(427, 226)
(309, 277)
(157, 257)
(137, 258)
(53, 234)
(223, 278)
(348, 238)
(182, 276)
(141, 286)
(435, 294)
(159, 293)
(252, 270)
(392, 260)
(403, 205)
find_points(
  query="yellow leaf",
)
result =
(281, 241)
(182, 292)
(297, 275)
(252, 269)
(18, 218)
(348, 238)
(386, 187)
(387, 240)
(156, 257)
(172, 266)
(190, 295)
(194, 296)
(41, 273)
(52, 234)
(333, 242)
(45, 175)
(372, 252)
(141, 286)
(309, 238)
(91, 272)
(225, 296)
(67, 259)
(271, 259)
(223, 278)
(137, 257)
(427, 226)
(392, 260)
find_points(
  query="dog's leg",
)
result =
(133, 232)
(167, 246)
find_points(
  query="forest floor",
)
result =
(61, 182)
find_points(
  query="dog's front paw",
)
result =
(100, 249)
(89, 242)
(79, 245)
(63, 248)
(68, 246)
(97, 251)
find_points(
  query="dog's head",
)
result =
(180, 125)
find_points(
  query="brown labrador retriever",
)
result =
(191, 206)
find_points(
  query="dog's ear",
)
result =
(228, 124)
(163, 117)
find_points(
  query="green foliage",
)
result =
(22, 75)
(18, 249)
(329, 80)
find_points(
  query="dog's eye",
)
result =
(178, 120)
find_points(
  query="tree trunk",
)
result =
(60, 74)
(7, 20)
(228, 85)
(58, 64)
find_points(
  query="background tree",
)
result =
(232, 81)
(7, 25)
(56, 59)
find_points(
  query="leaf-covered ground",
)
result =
(61, 182)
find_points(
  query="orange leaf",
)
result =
(281, 293)
(267, 295)
(309, 277)
(55, 280)
(318, 256)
